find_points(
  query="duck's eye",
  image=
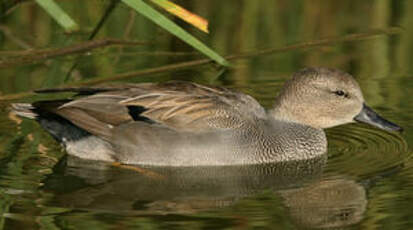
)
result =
(341, 93)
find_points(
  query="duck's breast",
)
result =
(143, 143)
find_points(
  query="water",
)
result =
(366, 182)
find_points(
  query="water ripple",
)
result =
(359, 150)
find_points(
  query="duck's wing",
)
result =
(181, 106)
(193, 107)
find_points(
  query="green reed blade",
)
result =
(59, 15)
(153, 15)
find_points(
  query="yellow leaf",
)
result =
(189, 17)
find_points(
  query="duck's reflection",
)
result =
(327, 203)
(311, 200)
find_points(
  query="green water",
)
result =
(366, 182)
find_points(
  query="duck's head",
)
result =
(323, 98)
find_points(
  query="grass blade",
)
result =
(189, 17)
(58, 15)
(147, 11)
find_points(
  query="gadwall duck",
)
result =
(187, 124)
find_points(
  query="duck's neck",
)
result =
(294, 113)
(278, 114)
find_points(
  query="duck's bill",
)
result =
(367, 115)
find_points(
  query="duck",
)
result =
(182, 123)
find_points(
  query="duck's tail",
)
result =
(24, 110)
(77, 141)
(39, 109)
(44, 113)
